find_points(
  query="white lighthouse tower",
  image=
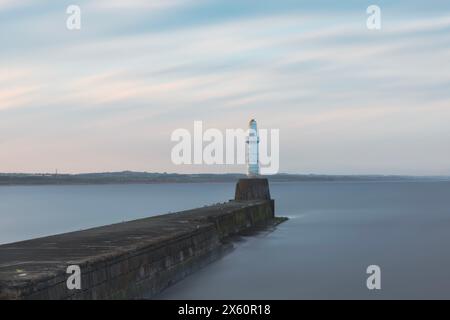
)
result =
(252, 149)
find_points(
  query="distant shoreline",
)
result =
(130, 177)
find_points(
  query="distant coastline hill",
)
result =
(128, 177)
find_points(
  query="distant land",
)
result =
(129, 177)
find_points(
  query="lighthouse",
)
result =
(252, 149)
(253, 187)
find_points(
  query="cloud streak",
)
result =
(314, 75)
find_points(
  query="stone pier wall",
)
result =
(136, 259)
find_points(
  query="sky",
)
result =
(347, 100)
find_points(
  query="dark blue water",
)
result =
(335, 231)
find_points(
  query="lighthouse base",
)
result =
(252, 189)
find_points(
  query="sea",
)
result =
(336, 232)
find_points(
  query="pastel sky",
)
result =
(347, 100)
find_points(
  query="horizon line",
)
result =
(224, 173)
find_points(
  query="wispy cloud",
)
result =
(138, 4)
(314, 74)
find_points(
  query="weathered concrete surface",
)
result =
(252, 189)
(133, 259)
(127, 260)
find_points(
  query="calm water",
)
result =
(335, 231)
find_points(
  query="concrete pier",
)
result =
(135, 259)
